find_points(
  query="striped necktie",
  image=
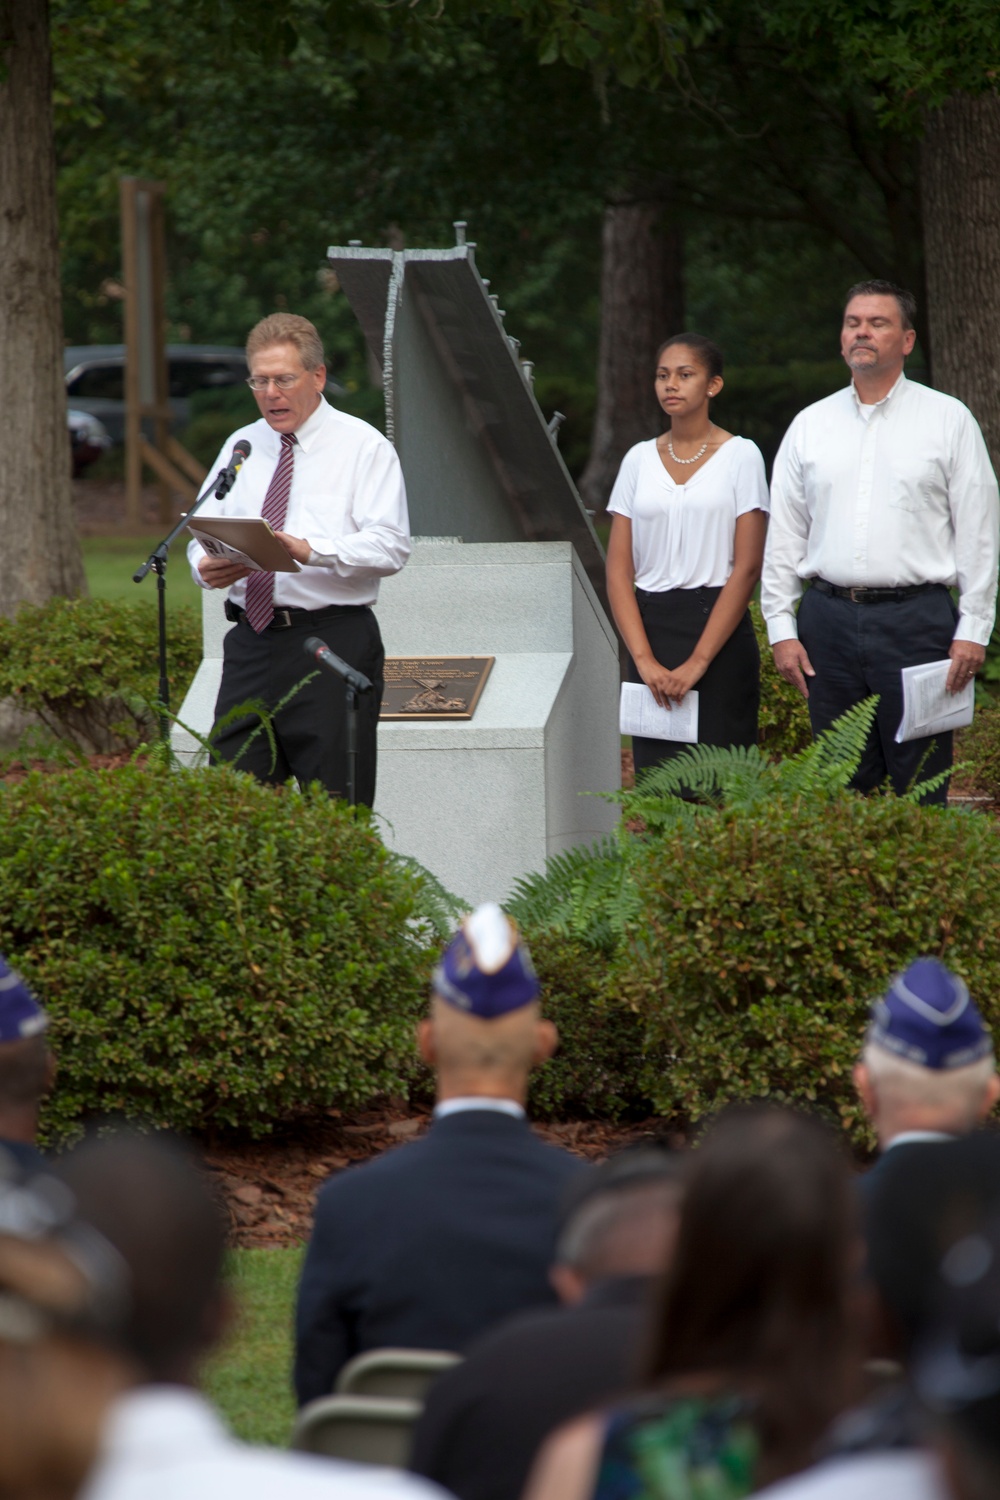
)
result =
(260, 586)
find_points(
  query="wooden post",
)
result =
(147, 391)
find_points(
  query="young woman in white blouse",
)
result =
(689, 517)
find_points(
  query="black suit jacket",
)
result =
(430, 1244)
(485, 1420)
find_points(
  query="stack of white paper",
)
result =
(641, 714)
(927, 708)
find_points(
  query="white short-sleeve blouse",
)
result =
(682, 534)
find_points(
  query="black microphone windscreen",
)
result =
(312, 645)
(243, 446)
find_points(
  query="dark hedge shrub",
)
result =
(783, 726)
(977, 748)
(761, 938)
(596, 1071)
(213, 952)
(89, 667)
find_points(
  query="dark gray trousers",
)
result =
(861, 649)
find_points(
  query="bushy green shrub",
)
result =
(977, 748)
(89, 667)
(212, 952)
(783, 725)
(762, 937)
(596, 1071)
(748, 932)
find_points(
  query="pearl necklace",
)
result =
(699, 454)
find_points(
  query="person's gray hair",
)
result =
(956, 1092)
(622, 1212)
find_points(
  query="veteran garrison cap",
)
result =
(486, 969)
(927, 1017)
(20, 1013)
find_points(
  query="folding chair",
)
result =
(361, 1429)
(406, 1373)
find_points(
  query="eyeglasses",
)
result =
(281, 382)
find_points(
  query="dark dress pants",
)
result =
(311, 728)
(729, 692)
(861, 649)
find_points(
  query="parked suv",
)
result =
(95, 379)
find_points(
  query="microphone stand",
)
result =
(355, 682)
(156, 563)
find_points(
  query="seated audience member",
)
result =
(958, 1370)
(110, 1294)
(918, 1201)
(435, 1241)
(27, 1068)
(927, 1071)
(485, 1420)
(754, 1347)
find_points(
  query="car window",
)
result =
(100, 382)
(190, 375)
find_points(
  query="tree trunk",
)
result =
(642, 303)
(960, 189)
(40, 553)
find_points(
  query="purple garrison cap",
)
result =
(927, 1017)
(20, 1013)
(486, 969)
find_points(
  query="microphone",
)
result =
(227, 477)
(324, 657)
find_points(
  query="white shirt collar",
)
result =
(913, 1137)
(865, 408)
(478, 1101)
(305, 434)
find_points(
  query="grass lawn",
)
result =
(110, 562)
(250, 1378)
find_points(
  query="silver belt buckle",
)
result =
(282, 619)
(853, 594)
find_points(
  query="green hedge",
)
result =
(89, 667)
(212, 952)
(762, 939)
(598, 1068)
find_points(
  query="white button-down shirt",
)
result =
(166, 1443)
(348, 501)
(881, 496)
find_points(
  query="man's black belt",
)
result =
(874, 596)
(284, 619)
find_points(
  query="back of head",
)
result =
(485, 1026)
(148, 1197)
(957, 1370)
(621, 1219)
(928, 1058)
(919, 1202)
(759, 1291)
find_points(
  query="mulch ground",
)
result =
(270, 1186)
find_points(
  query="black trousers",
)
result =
(311, 728)
(861, 649)
(729, 692)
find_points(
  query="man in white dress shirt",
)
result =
(882, 499)
(346, 525)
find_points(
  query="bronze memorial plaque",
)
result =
(433, 687)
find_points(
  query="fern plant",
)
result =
(590, 893)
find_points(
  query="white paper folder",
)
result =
(639, 713)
